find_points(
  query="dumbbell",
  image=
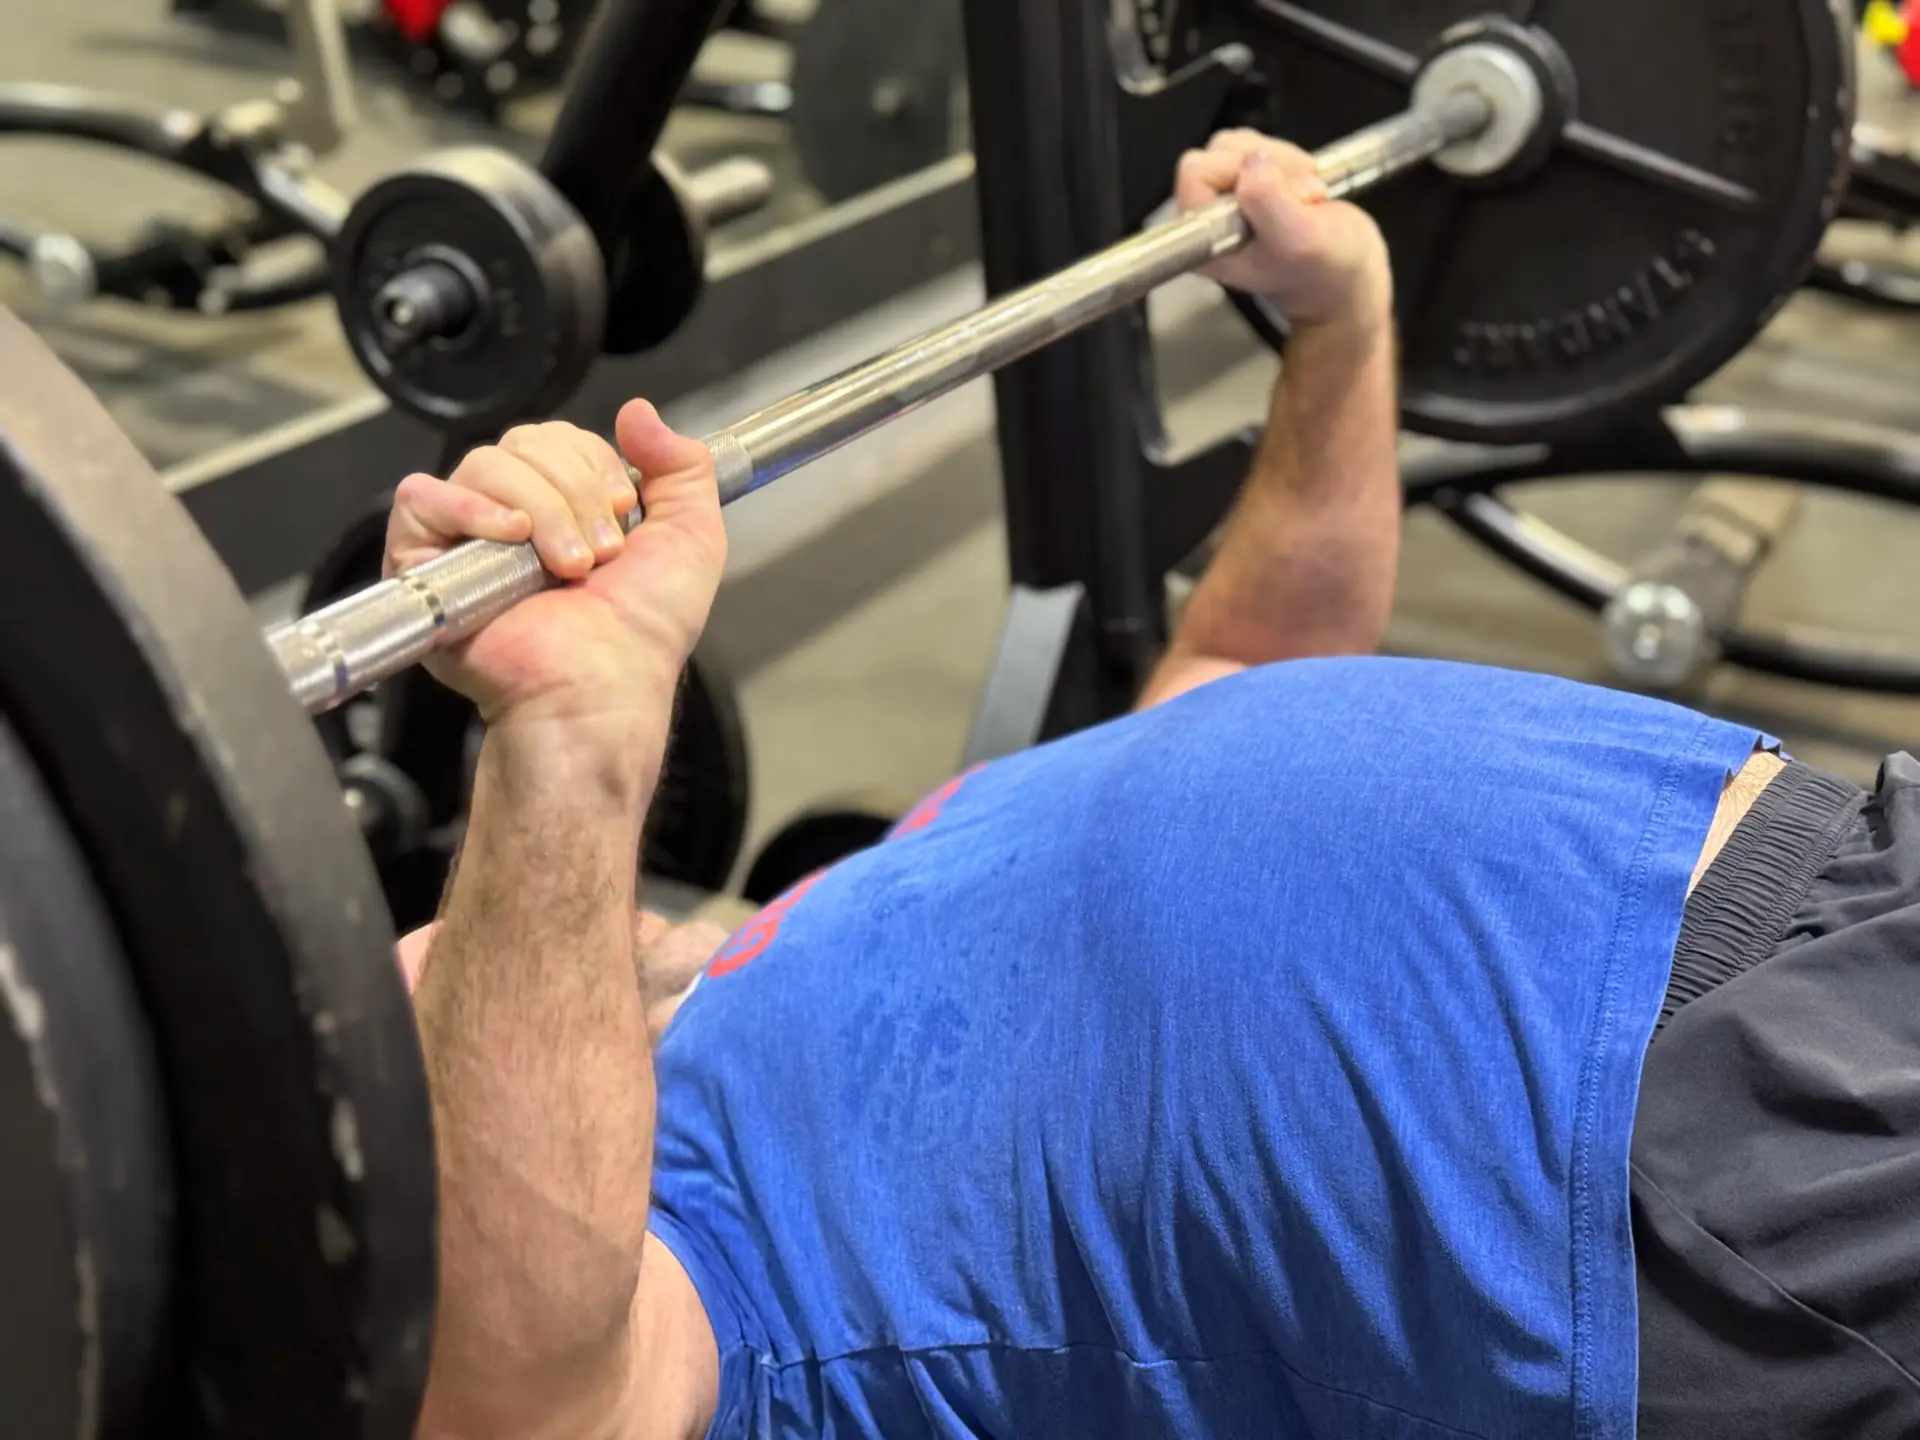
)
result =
(475, 296)
(1665, 621)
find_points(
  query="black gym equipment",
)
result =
(1678, 631)
(479, 55)
(823, 834)
(85, 1135)
(1099, 505)
(879, 91)
(226, 262)
(514, 307)
(469, 55)
(1708, 205)
(1885, 189)
(475, 289)
(294, 1263)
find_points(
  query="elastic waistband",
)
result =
(1737, 913)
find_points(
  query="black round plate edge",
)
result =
(1821, 184)
(177, 741)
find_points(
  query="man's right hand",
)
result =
(613, 643)
(1321, 261)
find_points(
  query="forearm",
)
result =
(1307, 559)
(537, 1053)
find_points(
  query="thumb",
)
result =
(675, 472)
(1276, 205)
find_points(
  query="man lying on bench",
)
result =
(1339, 1046)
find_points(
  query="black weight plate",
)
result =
(425, 731)
(695, 825)
(135, 675)
(412, 719)
(485, 53)
(699, 815)
(86, 1222)
(546, 293)
(657, 269)
(816, 838)
(1667, 224)
(874, 91)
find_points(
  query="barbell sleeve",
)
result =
(345, 648)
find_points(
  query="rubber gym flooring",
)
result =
(865, 594)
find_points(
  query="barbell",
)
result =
(341, 650)
(213, 1113)
(1489, 106)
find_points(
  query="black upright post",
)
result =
(1046, 132)
(628, 74)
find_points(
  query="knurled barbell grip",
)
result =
(352, 644)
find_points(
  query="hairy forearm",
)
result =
(1306, 561)
(537, 1053)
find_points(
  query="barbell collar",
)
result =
(337, 652)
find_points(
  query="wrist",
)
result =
(580, 760)
(1364, 320)
(599, 692)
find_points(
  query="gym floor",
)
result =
(865, 594)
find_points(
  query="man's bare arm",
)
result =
(557, 1316)
(1307, 559)
(538, 1053)
(669, 956)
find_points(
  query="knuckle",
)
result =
(480, 461)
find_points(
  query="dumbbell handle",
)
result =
(343, 649)
(1669, 615)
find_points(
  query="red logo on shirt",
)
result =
(750, 939)
(928, 810)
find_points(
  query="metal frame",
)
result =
(1098, 508)
(244, 148)
(626, 78)
(273, 503)
(1073, 151)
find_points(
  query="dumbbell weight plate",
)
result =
(514, 240)
(134, 674)
(875, 91)
(656, 274)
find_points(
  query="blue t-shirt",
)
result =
(1260, 1065)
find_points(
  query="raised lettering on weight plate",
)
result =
(509, 314)
(1587, 331)
(1740, 86)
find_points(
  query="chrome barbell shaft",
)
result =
(345, 648)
